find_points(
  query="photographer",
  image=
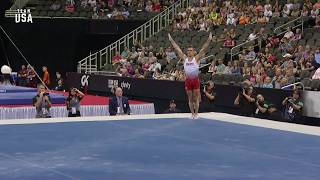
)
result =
(73, 102)
(172, 108)
(245, 101)
(261, 107)
(42, 102)
(208, 97)
(293, 107)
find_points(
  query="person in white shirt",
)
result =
(92, 3)
(252, 36)
(289, 34)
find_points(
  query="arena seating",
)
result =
(41, 8)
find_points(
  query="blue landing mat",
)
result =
(164, 149)
(15, 89)
(26, 98)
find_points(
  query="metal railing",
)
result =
(294, 85)
(294, 22)
(97, 60)
(251, 42)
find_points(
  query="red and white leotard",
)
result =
(191, 68)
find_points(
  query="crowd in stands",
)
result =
(110, 9)
(215, 13)
(279, 61)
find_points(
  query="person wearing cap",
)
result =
(172, 108)
(118, 104)
(293, 107)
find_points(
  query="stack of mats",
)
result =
(15, 95)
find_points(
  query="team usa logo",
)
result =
(23, 16)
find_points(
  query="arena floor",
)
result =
(158, 147)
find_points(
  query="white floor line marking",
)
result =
(212, 116)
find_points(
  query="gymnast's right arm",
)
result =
(177, 48)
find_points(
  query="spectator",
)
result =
(46, 76)
(262, 19)
(32, 81)
(285, 46)
(228, 68)
(261, 107)
(116, 58)
(286, 11)
(157, 74)
(258, 82)
(138, 74)
(73, 102)
(70, 6)
(251, 55)
(208, 97)
(84, 3)
(221, 67)
(305, 11)
(42, 102)
(212, 68)
(119, 104)
(284, 82)
(92, 3)
(172, 108)
(154, 64)
(125, 53)
(267, 83)
(317, 5)
(276, 13)
(59, 82)
(56, 5)
(23, 74)
(156, 7)
(236, 68)
(293, 107)
(289, 34)
(229, 42)
(273, 41)
(231, 18)
(170, 54)
(161, 54)
(268, 12)
(252, 36)
(245, 101)
(244, 19)
(149, 6)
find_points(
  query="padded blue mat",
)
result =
(26, 98)
(164, 149)
(15, 89)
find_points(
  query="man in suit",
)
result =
(118, 104)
